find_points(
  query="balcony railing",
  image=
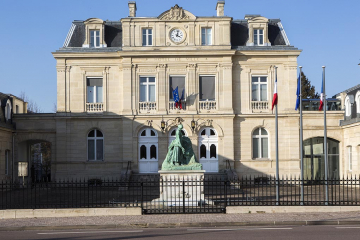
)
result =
(207, 105)
(94, 107)
(333, 104)
(260, 106)
(146, 107)
(172, 106)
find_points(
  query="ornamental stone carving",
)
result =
(176, 13)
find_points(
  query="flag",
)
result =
(322, 95)
(298, 93)
(176, 96)
(274, 101)
(181, 99)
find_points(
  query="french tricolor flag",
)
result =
(274, 101)
(322, 96)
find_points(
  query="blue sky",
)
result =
(326, 30)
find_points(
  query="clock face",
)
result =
(176, 35)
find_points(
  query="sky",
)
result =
(326, 31)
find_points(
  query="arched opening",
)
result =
(95, 140)
(260, 145)
(314, 158)
(208, 154)
(347, 107)
(148, 151)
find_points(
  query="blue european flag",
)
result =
(176, 95)
(298, 93)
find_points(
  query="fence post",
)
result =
(183, 191)
(142, 195)
(225, 185)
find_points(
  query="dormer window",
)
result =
(147, 37)
(94, 38)
(206, 36)
(258, 37)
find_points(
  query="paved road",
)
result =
(254, 233)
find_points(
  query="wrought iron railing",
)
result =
(217, 192)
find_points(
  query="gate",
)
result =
(184, 196)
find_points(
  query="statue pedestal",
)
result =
(182, 188)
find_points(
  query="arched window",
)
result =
(8, 108)
(95, 145)
(347, 107)
(357, 99)
(208, 154)
(148, 151)
(260, 143)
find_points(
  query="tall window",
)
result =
(350, 158)
(94, 38)
(260, 143)
(8, 110)
(347, 107)
(208, 145)
(95, 145)
(94, 90)
(147, 37)
(7, 156)
(259, 88)
(357, 100)
(207, 88)
(258, 37)
(148, 151)
(147, 89)
(179, 82)
(205, 36)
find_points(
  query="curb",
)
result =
(182, 225)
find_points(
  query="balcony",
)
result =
(173, 108)
(333, 104)
(94, 107)
(259, 106)
(147, 107)
(207, 106)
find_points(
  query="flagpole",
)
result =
(325, 143)
(277, 149)
(301, 144)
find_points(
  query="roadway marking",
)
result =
(347, 227)
(236, 229)
(53, 233)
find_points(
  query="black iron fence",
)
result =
(184, 195)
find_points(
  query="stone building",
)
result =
(115, 105)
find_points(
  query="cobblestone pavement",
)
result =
(179, 218)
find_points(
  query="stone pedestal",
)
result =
(182, 188)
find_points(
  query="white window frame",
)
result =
(350, 158)
(147, 84)
(8, 108)
(357, 99)
(259, 150)
(347, 106)
(7, 154)
(257, 33)
(95, 90)
(258, 84)
(147, 35)
(95, 138)
(94, 38)
(206, 37)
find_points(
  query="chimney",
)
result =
(132, 9)
(220, 8)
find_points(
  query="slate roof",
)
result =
(113, 37)
(351, 91)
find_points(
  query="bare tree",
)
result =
(32, 106)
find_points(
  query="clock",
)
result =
(177, 35)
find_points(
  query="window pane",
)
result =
(152, 93)
(92, 38)
(264, 147)
(91, 149)
(99, 94)
(144, 38)
(91, 133)
(263, 132)
(202, 151)
(152, 133)
(260, 31)
(207, 87)
(212, 132)
(203, 132)
(99, 133)
(177, 82)
(143, 152)
(255, 148)
(202, 30)
(254, 79)
(97, 38)
(255, 92)
(90, 94)
(142, 80)
(153, 152)
(151, 79)
(143, 93)
(212, 151)
(149, 31)
(256, 132)
(143, 133)
(149, 39)
(255, 39)
(99, 149)
(208, 39)
(263, 91)
(173, 133)
(263, 79)
(261, 40)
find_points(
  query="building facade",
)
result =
(116, 109)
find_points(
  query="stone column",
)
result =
(126, 83)
(226, 101)
(191, 91)
(161, 88)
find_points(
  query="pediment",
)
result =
(176, 13)
(94, 20)
(258, 19)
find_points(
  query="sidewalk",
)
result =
(181, 220)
